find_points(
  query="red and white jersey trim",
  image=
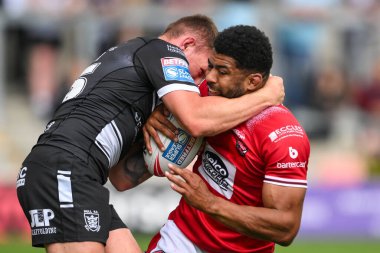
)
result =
(285, 181)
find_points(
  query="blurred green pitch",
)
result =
(350, 246)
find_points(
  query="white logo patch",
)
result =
(286, 131)
(40, 221)
(91, 217)
(293, 153)
(176, 69)
(218, 172)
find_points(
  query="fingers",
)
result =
(158, 122)
(167, 128)
(147, 140)
(156, 138)
(165, 111)
(276, 84)
(183, 173)
(177, 182)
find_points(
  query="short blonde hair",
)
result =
(200, 25)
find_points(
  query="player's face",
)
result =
(198, 62)
(224, 78)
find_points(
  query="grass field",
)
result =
(349, 246)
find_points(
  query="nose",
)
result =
(210, 76)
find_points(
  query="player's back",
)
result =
(106, 105)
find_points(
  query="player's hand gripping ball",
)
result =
(179, 153)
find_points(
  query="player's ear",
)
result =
(188, 42)
(255, 82)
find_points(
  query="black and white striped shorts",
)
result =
(63, 198)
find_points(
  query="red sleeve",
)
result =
(286, 149)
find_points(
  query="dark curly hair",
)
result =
(248, 46)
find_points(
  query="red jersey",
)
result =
(272, 148)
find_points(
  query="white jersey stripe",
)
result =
(285, 184)
(64, 172)
(286, 179)
(110, 142)
(176, 86)
(66, 205)
(65, 193)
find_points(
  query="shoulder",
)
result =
(274, 124)
(161, 46)
(271, 117)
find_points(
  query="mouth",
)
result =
(212, 92)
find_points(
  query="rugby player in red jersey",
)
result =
(247, 187)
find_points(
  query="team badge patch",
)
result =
(241, 148)
(176, 69)
(91, 217)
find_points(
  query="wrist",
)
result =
(214, 206)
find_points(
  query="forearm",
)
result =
(220, 117)
(130, 171)
(208, 116)
(262, 223)
(124, 178)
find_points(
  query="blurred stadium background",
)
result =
(327, 51)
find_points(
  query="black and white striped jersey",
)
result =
(102, 114)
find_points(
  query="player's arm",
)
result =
(130, 171)
(208, 116)
(278, 221)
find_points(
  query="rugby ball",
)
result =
(179, 153)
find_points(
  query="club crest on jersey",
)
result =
(241, 148)
(91, 217)
(176, 69)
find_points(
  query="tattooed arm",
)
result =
(130, 171)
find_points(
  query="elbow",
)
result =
(286, 241)
(119, 187)
(194, 128)
(196, 132)
(287, 237)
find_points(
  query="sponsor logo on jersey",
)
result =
(289, 165)
(176, 152)
(91, 217)
(216, 169)
(40, 221)
(239, 133)
(293, 153)
(286, 131)
(174, 49)
(21, 177)
(176, 69)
